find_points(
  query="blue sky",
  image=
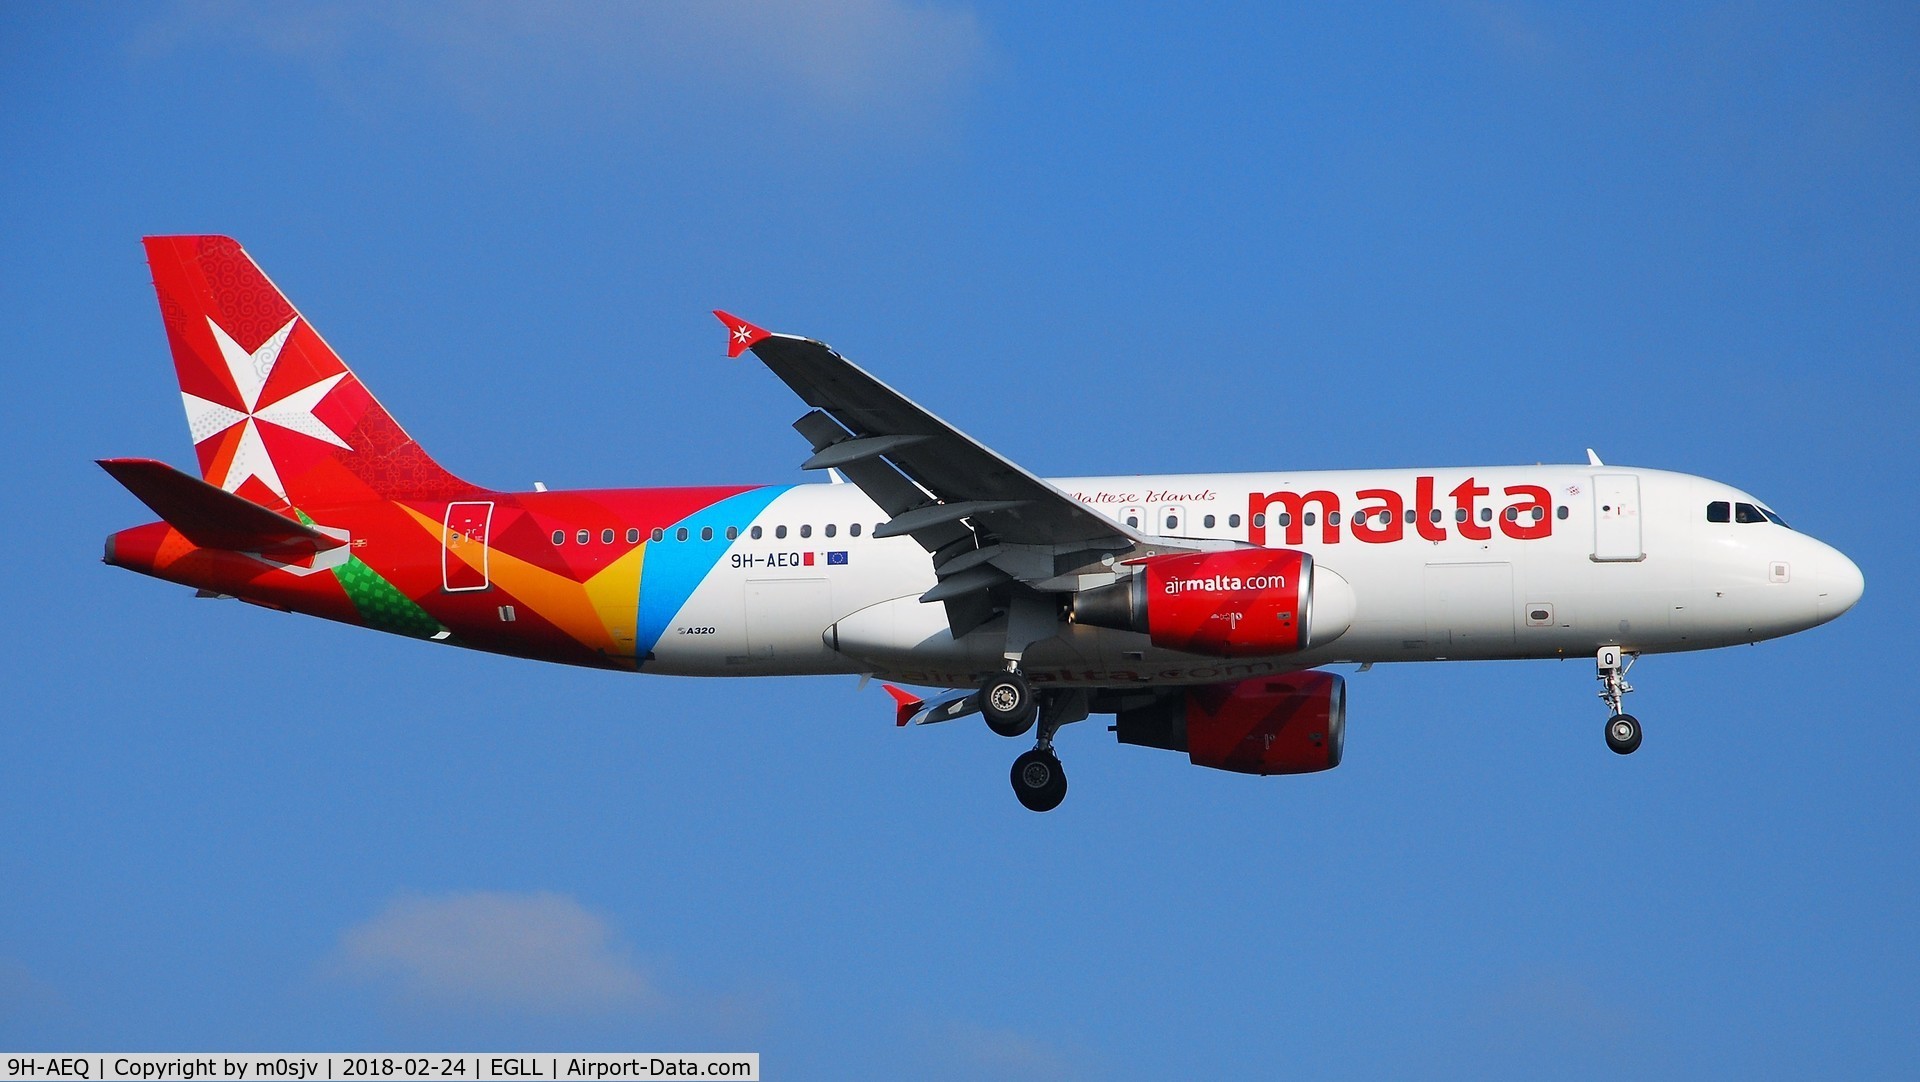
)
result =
(1122, 239)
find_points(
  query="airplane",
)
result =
(1198, 610)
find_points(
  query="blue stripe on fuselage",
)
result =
(672, 569)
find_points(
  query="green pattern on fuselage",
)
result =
(380, 603)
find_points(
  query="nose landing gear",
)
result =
(1623, 729)
(1623, 733)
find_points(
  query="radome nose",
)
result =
(1840, 584)
(1849, 585)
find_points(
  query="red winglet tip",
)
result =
(741, 335)
(908, 706)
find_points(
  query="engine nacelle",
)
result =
(1292, 724)
(1239, 603)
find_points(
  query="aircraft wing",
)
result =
(987, 522)
(876, 422)
(911, 709)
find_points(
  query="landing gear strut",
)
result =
(1011, 709)
(1623, 729)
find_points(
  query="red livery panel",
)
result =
(1242, 603)
(1229, 604)
(1291, 724)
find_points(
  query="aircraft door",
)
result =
(786, 617)
(463, 556)
(1616, 518)
(1470, 608)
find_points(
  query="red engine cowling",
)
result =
(1292, 724)
(1240, 603)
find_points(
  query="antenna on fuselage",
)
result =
(1593, 459)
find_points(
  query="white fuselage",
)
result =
(1454, 563)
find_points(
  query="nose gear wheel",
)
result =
(1623, 729)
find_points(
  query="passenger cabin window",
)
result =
(1133, 521)
(1560, 511)
(633, 535)
(659, 534)
(680, 534)
(1746, 512)
(780, 532)
(559, 537)
(853, 530)
(755, 533)
(831, 529)
(733, 532)
(806, 531)
(706, 533)
(1719, 511)
(606, 537)
(1233, 521)
(582, 537)
(1208, 522)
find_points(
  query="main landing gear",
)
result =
(1007, 703)
(1038, 780)
(1011, 709)
(1623, 729)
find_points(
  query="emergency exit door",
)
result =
(463, 557)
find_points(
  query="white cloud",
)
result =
(1509, 28)
(590, 63)
(1006, 1053)
(542, 953)
(22, 993)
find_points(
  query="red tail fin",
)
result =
(275, 416)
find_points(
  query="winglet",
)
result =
(741, 335)
(907, 704)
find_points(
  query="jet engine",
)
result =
(1239, 603)
(1292, 724)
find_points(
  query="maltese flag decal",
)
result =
(741, 335)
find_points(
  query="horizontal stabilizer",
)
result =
(212, 517)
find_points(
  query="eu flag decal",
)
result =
(834, 558)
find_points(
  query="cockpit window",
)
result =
(1775, 519)
(1746, 512)
(1718, 511)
